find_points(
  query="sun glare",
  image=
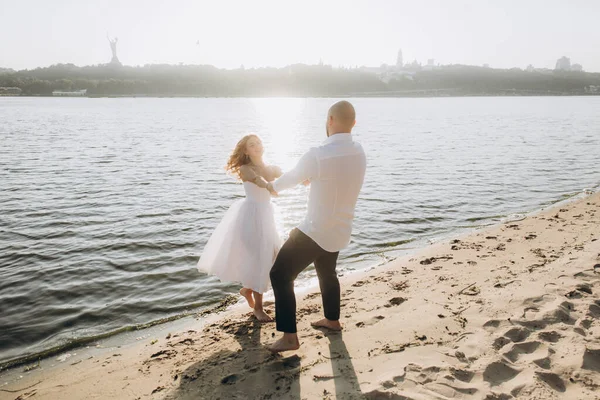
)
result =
(278, 119)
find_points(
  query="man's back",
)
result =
(341, 165)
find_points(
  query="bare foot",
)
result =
(247, 293)
(289, 341)
(326, 323)
(262, 316)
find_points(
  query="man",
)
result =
(336, 171)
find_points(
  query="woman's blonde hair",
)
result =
(239, 157)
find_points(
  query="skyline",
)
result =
(269, 34)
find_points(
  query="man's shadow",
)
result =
(248, 372)
(345, 379)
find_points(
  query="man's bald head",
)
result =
(341, 118)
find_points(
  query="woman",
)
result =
(244, 245)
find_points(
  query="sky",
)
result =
(232, 33)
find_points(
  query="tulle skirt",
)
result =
(244, 245)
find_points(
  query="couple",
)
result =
(245, 246)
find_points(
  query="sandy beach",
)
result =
(510, 311)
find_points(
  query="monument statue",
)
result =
(113, 48)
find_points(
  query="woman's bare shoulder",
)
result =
(275, 170)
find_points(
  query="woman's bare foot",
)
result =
(247, 293)
(262, 316)
(289, 341)
(327, 323)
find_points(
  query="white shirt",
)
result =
(336, 171)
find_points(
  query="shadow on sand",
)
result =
(250, 371)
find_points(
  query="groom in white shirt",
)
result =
(336, 171)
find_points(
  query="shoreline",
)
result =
(223, 355)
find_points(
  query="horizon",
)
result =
(271, 35)
(342, 67)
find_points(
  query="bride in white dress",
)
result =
(244, 245)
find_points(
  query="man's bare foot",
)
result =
(262, 316)
(247, 293)
(327, 323)
(289, 341)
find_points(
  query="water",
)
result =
(107, 203)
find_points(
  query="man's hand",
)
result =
(306, 182)
(271, 190)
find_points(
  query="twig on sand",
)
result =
(20, 390)
(468, 287)
(460, 311)
(336, 357)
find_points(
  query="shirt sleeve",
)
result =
(307, 168)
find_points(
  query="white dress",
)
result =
(244, 245)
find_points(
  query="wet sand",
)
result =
(507, 312)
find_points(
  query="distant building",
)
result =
(486, 65)
(592, 89)
(10, 91)
(413, 66)
(73, 93)
(399, 60)
(563, 64)
(430, 65)
(576, 68)
(371, 70)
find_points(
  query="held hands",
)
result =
(271, 190)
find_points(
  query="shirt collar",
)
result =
(338, 137)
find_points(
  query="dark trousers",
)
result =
(297, 253)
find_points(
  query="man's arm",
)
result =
(306, 169)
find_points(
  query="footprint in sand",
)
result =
(395, 301)
(550, 336)
(462, 375)
(544, 363)
(450, 391)
(230, 379)
(370, 322)
(513, 335)
(498, 372)
(526, 352)
(399, 285)
(591, 359)
(594, 309)
(517, 334)
(500, 342)
(552, 380)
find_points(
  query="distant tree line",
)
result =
(296, 80)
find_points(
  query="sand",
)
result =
(511, 311)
